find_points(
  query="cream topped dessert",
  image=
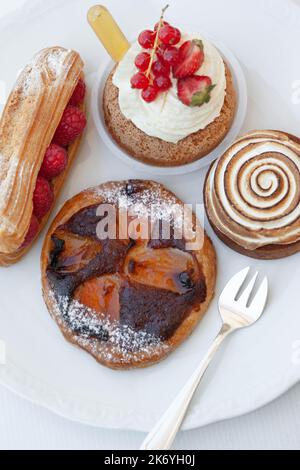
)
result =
(167, 117)
(170, 100)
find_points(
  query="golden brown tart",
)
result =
(129, 300)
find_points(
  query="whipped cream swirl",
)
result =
(167, 117)
(253, 191)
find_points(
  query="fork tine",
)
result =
(232, 288)
(247, 292)
(258, 304)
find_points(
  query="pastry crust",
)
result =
(106, 353)
(157, 152)
(287, 242)
(29, 121)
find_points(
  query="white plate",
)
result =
(240, 87)
(256, 365)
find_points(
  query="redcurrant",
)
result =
(162, 83)
(160, 68)
(164, 23)
(142, 61)
(160, 51)
(169, 35)
(150, 93)
(139, 81)
(147, 39)
(171, 55)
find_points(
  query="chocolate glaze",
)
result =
(154, 310)
(170, 242)
(109, 261)
(186, 280)
(99, 332)
(58, 247)
(85, 222)
(133, 187)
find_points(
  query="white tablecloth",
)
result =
(26, 426)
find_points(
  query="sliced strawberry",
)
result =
(191, 57)
(195, 90)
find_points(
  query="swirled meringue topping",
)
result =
(253, 191)
(166, 117)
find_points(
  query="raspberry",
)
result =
(79, 94)
(42, 198)
(71, 126)
(32, 231)
(54, 163)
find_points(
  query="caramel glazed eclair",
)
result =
(29, 122)
(252, 195)
(128, 301)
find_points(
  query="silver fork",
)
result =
(236, 313)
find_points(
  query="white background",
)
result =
(25, 426)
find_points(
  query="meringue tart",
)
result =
(252, 195)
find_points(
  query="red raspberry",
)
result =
(71, 126)
(32, 231)
(79, 94)
(42, 198)
(55, 161)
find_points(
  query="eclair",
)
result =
(40, 132)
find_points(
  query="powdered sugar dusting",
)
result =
(112, 341)
(51, 61)
(148, 201)
(56, 60)
(7, 176)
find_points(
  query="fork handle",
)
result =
(163, 434)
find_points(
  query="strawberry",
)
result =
(42, 198)
(55, 162)
(32, 231)
(195, 90)
(191, 57)
(79, 94)
(72, 124)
